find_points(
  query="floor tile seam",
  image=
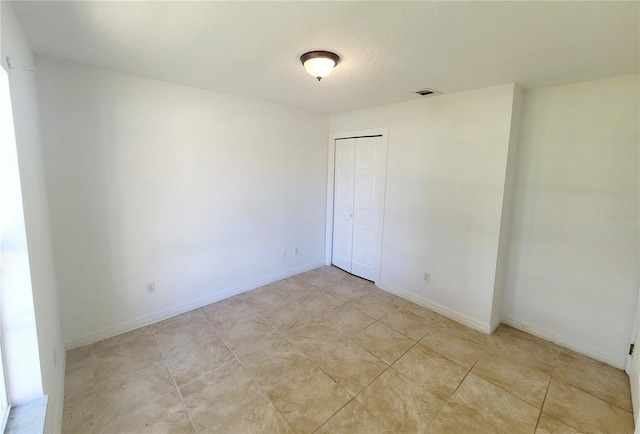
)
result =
(446, 402)
(209, 371)
(471, 409)
(514, 360)
(186, 408)
(180, 347)
(506, 391)
(200, 376)
(511, 393)
(448, 358)
(449, 400)
(365, 388)
(334, 413)
(542, 409)
(403, 334)
(388, 364)
(593, 396)
(264, 390)
(558, 419)
(586, 391)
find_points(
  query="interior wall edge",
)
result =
(53, 419)
(460, 317)
(185, 307)
(609, 358)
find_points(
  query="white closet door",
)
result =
(369, 166)
(343, 203)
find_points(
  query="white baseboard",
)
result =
(612, 359)
(185, 307)
(442, 310)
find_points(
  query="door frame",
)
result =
(331, 166)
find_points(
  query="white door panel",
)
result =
(368, 188)
(359, 183)
(343, 203)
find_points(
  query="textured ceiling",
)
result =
(388, 49)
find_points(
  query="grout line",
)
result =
(173, 378)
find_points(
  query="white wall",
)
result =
(40, 294)
(197, 191)
(573, 272)
(446, 168)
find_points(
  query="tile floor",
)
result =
(327, 352)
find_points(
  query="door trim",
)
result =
(331, 146)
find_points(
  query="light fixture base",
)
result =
(319, 63)
(323, 54)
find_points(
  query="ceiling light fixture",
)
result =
(319, 63)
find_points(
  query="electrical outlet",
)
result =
(284, 254)
(151, 287)
(297, 251)
(427, 277)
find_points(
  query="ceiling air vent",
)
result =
(425, 92)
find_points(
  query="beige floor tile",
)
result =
(255, 417)
(123, 363)
(79, 353)
(286, 317)
(308, 399)
(526, 383)
(349, 320)
(247, 330)
(600, 380)
(312, 336)
(584, 411)
(346, 290)
(295, 288)
(238, 373)
(437, 374)
(392, 298)
(219, 394)
(522, 350)
(261, 347)
(455, 342)
(399, 403)
(159, 414)
(458, 419)
(353, 418)
(227, 313)
(318, 304)
(271, 372)
(78, 372)
(197, 358)
(135, 341)
(265, 298)
(550, 425)
(324, 279)
(373, 305)
(177, 319)
(383, 342)
(496, 405)
(113, 397)
(349, 365)
(179, 333)
(78, 413)
(408, 323)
